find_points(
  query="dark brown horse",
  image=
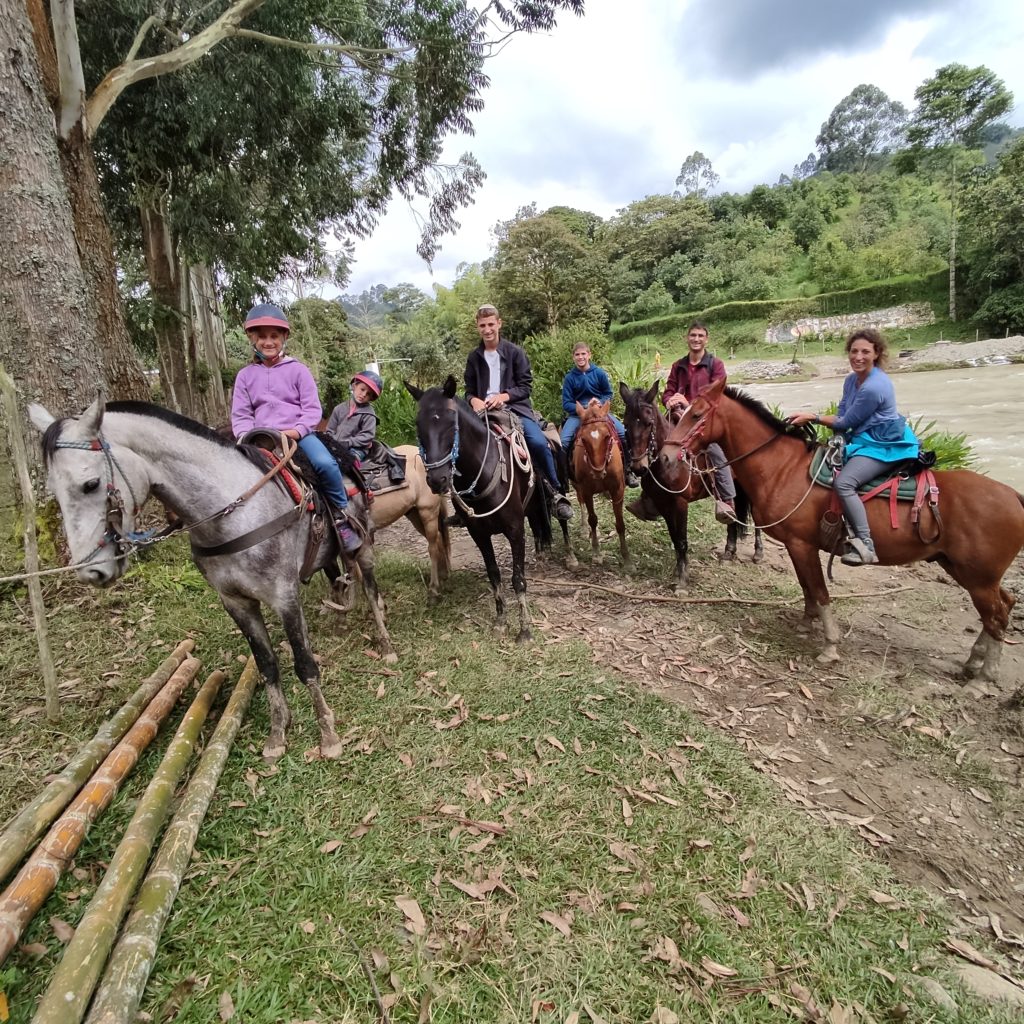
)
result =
(668, 488)
(598, 469)
(982, 520)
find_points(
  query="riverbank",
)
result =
(941, 355)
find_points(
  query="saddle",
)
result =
(382, 470)
(911, 480)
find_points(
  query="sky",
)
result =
(604, 109)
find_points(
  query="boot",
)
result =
(560, 503)
(860, 551)
(348, 536)
(643, 508)
(632, 480)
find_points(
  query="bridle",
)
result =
(652, 453)
(114, 534)
(608, 448)
(687, 443)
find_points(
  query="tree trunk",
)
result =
(189, 331)
(62, 330)
(952, 245)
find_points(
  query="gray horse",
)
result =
(104, 464)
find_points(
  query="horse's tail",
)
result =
(538, 514)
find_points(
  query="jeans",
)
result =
(723, 474)
(539, 450)
(859, 470)
(572, 424)
(327, 471)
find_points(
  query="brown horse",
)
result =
(981, 530)
(426, 511)
(668, 489)
(598, 469)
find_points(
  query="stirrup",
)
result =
(859, 552)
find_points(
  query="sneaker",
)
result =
(860, 551)
(347, 536)
(563, 507)
(455, 519)
(725, 512)
(632, 480)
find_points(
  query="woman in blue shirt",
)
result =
(876, 434)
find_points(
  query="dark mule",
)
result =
(669, 488)
(103, 465)
(497, 487)
(598, 469)
(981, 531)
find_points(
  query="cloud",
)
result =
(743, 39)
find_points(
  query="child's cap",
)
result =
(266, 315)
(371, 380)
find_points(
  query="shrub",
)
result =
(397, 411)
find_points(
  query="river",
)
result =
(985, 403)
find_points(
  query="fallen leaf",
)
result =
(662, 1015)
(555, 742)
(627, 812)
(883, 899)
(330, 846)
(308, 927)
(717, 969)
(968, 952)
(35, 949)
(415, 921)
(62, 929)
(557, 922)
(980, 794)
(225, 1006)
(406, 759)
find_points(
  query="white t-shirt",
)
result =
(494, 365)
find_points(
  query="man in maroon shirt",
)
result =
(687, 378)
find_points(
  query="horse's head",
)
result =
(641, 423)
(595, 439)
(86, 475)
(696, 428)
(437, 428)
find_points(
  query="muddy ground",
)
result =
(888, 744)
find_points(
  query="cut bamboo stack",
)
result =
(37, 817)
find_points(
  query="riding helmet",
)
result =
(371, 380)
(266, 315)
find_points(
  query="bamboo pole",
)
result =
(120, 993)
(28, 503)
(37, 816)
(67, 997)
(41, 872)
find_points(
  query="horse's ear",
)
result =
(605, 408)
(450, 387)
(579, 410)
(416, 392)
(624, 392)
(652, 393)
(91, 420)
(40, 418)
(717, 388)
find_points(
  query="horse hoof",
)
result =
(433, 600)
(332, 751)
(275, 752)
(390, 658)
(727, 556)
(524, 637)
(828, 656)
(758, 557)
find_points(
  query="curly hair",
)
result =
(878, 343)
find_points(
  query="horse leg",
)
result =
(620, 529)
(486, 546)
(364, 559)
(732, 534)
(343, 592)
(595, 547)
(245, 612)
(993, 605)
(308, 671)
(517, 542)
(427, 527)
(571, 561)
(677, 523)
(758, 545)
(817, 603)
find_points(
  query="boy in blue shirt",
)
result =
(588, 383)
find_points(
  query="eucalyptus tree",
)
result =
(409, 73)
(864, 124)
(954, 107)
(696, 175)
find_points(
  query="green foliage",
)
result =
(1003, 309)
(952, 451)
(696, 176)
(397, 411)
(863, 124)
(551, 359)
(908, 288)
(956, 104)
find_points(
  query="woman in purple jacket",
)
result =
(278, 392)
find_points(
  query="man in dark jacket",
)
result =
(498, 375)
(687, 378)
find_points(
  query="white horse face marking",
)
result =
(595, 434)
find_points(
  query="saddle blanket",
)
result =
(822, 473)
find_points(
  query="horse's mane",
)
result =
(53, 432)
(763, 413)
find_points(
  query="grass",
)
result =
(618, 856)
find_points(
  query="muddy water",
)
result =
(985, 403)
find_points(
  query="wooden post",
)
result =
(28, 503)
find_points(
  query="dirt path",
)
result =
(927, 773)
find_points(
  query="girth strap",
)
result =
(253, 537)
